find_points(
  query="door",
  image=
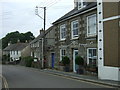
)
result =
(75, 66)
(53, 59)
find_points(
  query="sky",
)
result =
(19, 15)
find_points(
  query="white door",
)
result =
(75, 66)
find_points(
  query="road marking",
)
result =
(60, 75)
(5, 82)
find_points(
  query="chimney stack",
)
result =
(9, 43)
(75, 3)
(41, 31)
(18, 41)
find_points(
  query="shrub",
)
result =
(28, 61)
(79, 60)
(65, 60)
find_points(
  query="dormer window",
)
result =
(81, 4)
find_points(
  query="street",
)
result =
(22, 77)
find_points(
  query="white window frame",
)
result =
(89, 57)
(82, 5)
(72, 29)
(91, 34)
(61, 27)
(61, 54)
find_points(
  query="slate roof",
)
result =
(41, 35)
(76, 11)
(37, 38)
(16, 47)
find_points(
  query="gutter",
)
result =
(76, 15)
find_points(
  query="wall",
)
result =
(26, 51)
(15, 56)
(49, 45)
(70, 44)
(108, 27)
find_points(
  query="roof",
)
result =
(17, 46)
(41, 35)
(37, 38)
(76, 11)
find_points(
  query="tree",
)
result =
(13, 37)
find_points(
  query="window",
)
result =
(91, 25)
(92, 57)
(81, 4)
(17, 52)
(62, 32)
(74, 28)
(10, 52)
(62, 53)
(31, 54)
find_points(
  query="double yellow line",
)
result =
(4, 82)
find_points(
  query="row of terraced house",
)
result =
(91, 30)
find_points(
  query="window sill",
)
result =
(74, 38)
(62, 40)
(91, 36)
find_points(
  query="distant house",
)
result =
(37, 46)
(17, 50)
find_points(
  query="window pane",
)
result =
(92, 24)
(75, 28)
(90, 52)
(94, 52)
(63, 31)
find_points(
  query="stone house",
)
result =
(90, 30)
(37, 46)
(16, 51)
(76, 34)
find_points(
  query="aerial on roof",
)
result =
(75, 11)
(16, 47)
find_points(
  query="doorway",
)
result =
(75, 66)
(53, 59)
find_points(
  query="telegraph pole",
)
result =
(43, 38)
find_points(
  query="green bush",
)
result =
(79, 60)
(65, 60)
(28, 61)
(5, 58)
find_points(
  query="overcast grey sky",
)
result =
(19, 15)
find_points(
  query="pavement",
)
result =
(88, 78)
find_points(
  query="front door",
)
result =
(75, 66)
(53, 59)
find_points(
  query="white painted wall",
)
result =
(109, 73)
(104, 72)
(15, 55)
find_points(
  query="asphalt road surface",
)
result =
(22, 77)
